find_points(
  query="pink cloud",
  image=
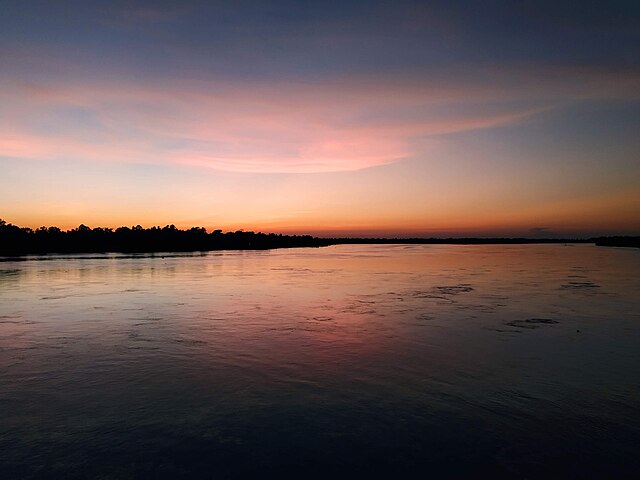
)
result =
(339, 125)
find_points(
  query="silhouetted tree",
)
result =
(83, 239)
(20, 241)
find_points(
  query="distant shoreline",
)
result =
(629, 242)
(16, 241)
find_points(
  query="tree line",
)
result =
(16, 240)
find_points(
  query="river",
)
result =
(345, 361)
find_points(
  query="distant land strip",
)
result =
(17, 241)
(619, 241)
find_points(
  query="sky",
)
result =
(331, 118)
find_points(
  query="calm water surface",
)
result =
(347, 361)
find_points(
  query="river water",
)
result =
(518, 361)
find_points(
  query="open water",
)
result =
(404, 361)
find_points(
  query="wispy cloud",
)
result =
(339, 124)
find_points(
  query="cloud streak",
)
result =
(341, 124)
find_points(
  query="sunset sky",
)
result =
(329, 118)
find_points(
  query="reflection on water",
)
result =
(349, 360)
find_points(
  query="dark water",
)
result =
(347, 361)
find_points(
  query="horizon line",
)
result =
(352, 236)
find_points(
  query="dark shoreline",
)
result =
(629, 242)
(16, 241)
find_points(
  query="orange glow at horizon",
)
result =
(567, 218)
